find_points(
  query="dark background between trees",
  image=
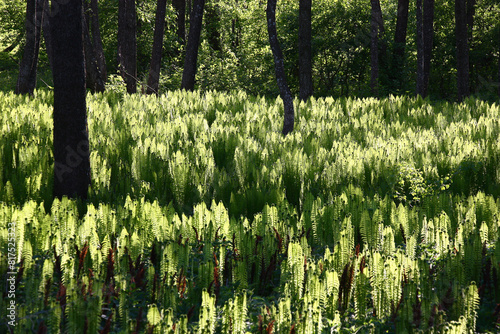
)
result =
(234, 51)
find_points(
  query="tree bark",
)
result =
(26, 81)
(180, 8)
(279, 68)
(420, 50)
(154, 69)
(377, 29)
(71, 145)
(127, 43)
(193, 43)
(398, 59)
(462, 49)
(212, 25)
(471, 11)
(305, 62)
(96, 40)
(428, 30)
(94, 78)
(47, 36)
(235, 32)
(401, 30)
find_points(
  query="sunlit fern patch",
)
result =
(372, 216)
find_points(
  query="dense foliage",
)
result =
(371, 216)
(243, 60)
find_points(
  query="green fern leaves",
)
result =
(374, 216)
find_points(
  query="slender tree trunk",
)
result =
(193, 43)
(420, 50)
(71, 145)
(26, 81)
(279, 68)
(154, 69)
(180, 9)
(47, 36)
(471, 11)
(94, 80)
(377, 29)
(213, 25)
(235, 32)
(462, 49)
(499, 68)
(96, 39)
(305, 62)
(127, 43)
(400, 43)
(428, 30)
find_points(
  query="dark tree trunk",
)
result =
(189, 73)
(71, 145)
(154, 70)
(420, 50)
(377, 29)
(462, 49)
(180, 8)
(235, 32)
(213, 25)
(279, 68)
(127, 43)
(96, 39)
(428, 30)
(305, 62)
(499, 68)
(94, 78)
(401, 29)
(47, 36)
(26, 81)
(400, 43)
(471, 11)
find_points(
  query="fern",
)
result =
(470, 305)
(250, 209)
(295, 270)
(207, 313)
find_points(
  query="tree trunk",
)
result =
(428, 30)
(71, 145)
(279, 68)
(420, 50)
(235, 32)
(47, 36)
(471, 11)
(189, 73)
(154, 70)
(26, 81)
(305, 62)
(127, 43)
(377, 29)
(401, 27)
(212, 25)
(96, 39)
(400, 43)
(180, 9)
(94, 80)
(462, 49)
(499, 68)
